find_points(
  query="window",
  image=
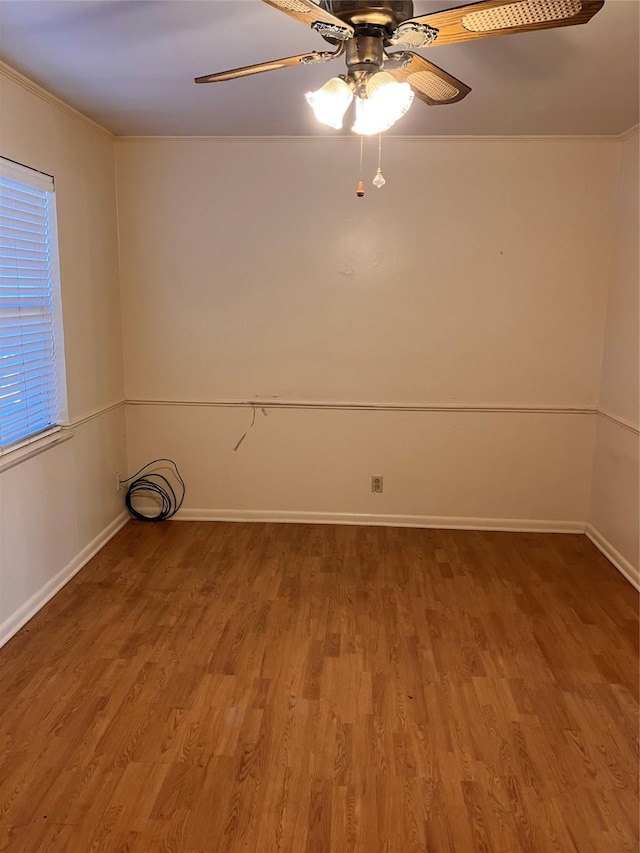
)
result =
(32, 385)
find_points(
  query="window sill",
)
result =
(10, 458)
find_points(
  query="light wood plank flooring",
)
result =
(295, 689)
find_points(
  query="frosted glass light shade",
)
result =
(387, 102)
(331, 102)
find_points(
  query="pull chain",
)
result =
(379, 180)
(360, 188)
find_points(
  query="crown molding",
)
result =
(10, 73)
(389, 140)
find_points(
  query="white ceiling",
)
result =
(130, 67)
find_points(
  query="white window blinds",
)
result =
(30, 403)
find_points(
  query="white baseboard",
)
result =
(615, 557)
(13, 623)
(522, 525)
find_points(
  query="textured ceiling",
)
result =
(130, 67)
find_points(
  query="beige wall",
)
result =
(615, 509)
(54, 505)
(620, 364)
(471, 469)
(476, 277)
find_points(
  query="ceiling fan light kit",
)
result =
(385, 102)
(331, 102)
(379, 104)
(385, 83)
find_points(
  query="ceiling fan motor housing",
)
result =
(374, 22)
(365, 53)
(361, 14)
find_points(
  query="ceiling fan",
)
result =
(384, 83)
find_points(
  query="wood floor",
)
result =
(297, 688)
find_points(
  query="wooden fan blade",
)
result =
(504, 17)
(302, 59)
(429, 83)
(314, 16)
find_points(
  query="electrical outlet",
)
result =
(377, 484)
(118, 483)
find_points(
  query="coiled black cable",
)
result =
(158, 486)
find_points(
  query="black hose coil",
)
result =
(158, 486)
